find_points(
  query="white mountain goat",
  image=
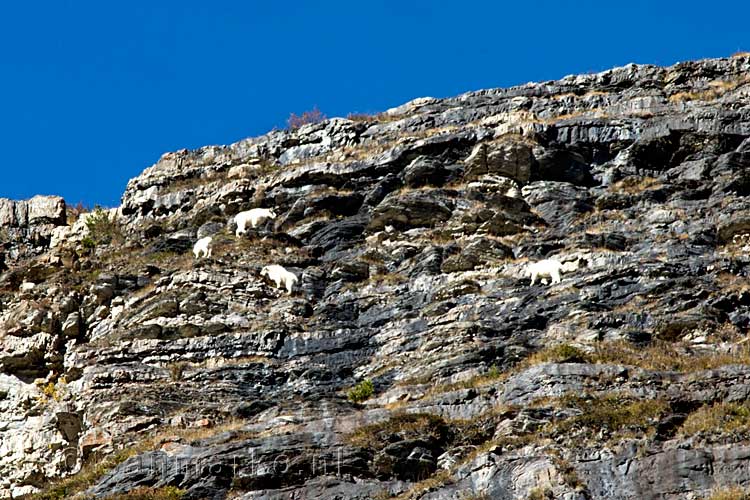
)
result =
(203, 246)
(280, 276)
(254, 217)
(550, 268)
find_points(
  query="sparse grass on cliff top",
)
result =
(715, 90)
(667, 356)
(311, 116)
(560, 353)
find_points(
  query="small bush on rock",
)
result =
(361, 392)
(102, 229)
(88, 242)
(313, 116)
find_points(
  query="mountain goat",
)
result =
(203, 246)
(551, 268)
(280, 276)
(254, 217)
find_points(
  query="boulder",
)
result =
(507, 157)
(411, 209)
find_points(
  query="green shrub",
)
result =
(102, 230)
(87, 242)
(362, 391)
(494, 372)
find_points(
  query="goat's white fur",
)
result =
(280, 276)
(551, 268)
(203, 246)
(573, 265)
(254, 216)
(544, 268)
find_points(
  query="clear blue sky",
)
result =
(93, 92)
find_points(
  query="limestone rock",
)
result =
(413, 358)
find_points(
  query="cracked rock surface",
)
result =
(414, 359)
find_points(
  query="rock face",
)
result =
(414, 359)
(26, 227)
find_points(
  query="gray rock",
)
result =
(506, 157)
(412, 209)
(410, 233)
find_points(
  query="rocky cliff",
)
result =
(415, 360)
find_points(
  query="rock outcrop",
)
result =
(27, 227)
(415, 360)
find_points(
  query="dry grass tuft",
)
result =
(592, 113)
(311, 116)
(143, 493)
(666, 356)
(634, 184)
(432, 483)
(717, 418)
(561, 353)
(492, 376)
(715, 90)
(730, 493)
(616, 413)
(731, 283)
(422, 426)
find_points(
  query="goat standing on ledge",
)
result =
(280, 276)
(203, 246)
(550, 268)
(254, 217)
